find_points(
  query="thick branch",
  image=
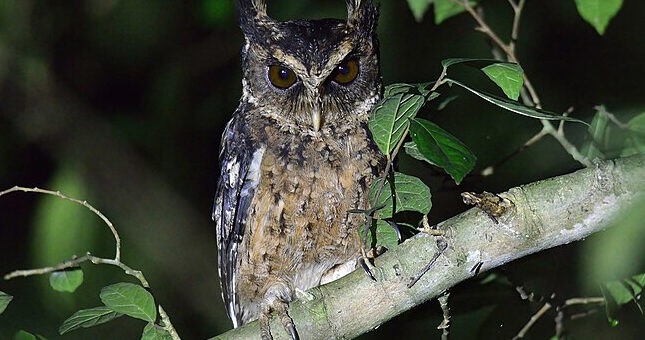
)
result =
(546, 214)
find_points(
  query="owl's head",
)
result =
(311, 73)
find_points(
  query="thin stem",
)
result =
(517, 8)
(390, 160)
(559, 316)
(76, 261)
(611, 117)
(532, 97)
(117, 239)
(532, 321)
(445, 308)
(584, 301)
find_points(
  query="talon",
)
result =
(366, 268)
(287, 322)
(265, 328)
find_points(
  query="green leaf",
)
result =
(154, 332)
(625, 291)
(24, 335)
(598, 13)
(444, 9)
(440, 148)
(412, 150)
(419, 8)
(66, 280)
(637, 124)
(130, 299)
(515, 106)
(389, 120)
(599, 135)
(420, 88)
(86, 318)
(510, 77)
(409, 194)
(386, 235)
(5, 299)
(620, 293)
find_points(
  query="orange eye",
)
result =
(346, 72)
(281, 77)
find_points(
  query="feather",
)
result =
(240, 173)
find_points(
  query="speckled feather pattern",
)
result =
(285, 189)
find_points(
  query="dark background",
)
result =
(122, 103)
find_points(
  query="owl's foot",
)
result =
(367, 258)
(280, 309)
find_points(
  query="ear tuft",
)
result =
(253, 16)
(362, 14)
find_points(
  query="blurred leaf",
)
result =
(66, 280)
(602, 262)
(627, 290)
(419, 8)
(637, 124)
(635, 146)
(63, 228)
(153, 332)
(599, 134)
(444, 103)
(86, 318)
(444, 9)
(410, 194)
(497, 278)
(598, 12)
(24, 335)
(389, 120)
(620, 292)
(5, 299)
(515, 106)
(131, 300)
(510, 77)
(386, 234)
(440, 148)
(217, 12)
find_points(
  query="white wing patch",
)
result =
(250, 183)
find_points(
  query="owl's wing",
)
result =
(240, 162)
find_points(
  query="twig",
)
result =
(532, 98)
(75, 262)
(517, 8)
(611, 116)
(559, 317)
(445, 308)
(584, 301)
(390, 161)
(534, 318)
(117, 239)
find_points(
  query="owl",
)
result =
(295, 158)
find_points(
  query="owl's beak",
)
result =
(316, 119)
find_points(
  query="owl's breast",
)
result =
(299, 225)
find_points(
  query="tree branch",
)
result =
(546, 214)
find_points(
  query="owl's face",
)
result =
(311, 74)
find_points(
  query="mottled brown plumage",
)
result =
(295, 158)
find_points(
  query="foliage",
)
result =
(66, 280)
(169, 89)
(5, 299)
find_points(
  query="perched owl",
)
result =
(296, 156)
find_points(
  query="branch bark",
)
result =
(546, 214)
